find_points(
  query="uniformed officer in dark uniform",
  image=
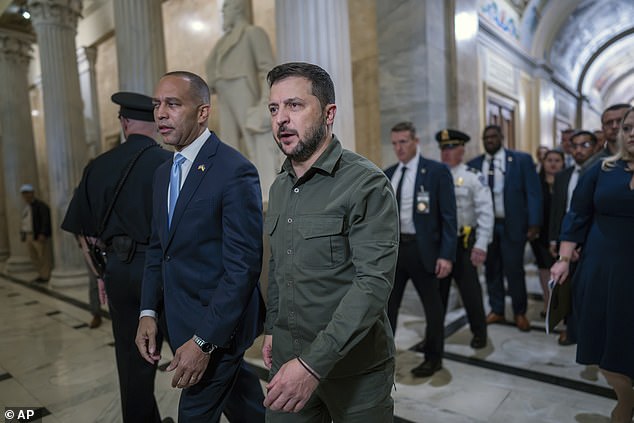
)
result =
(474, 210)
(126, 235)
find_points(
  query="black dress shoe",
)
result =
(428, 368)
(420, 347)
(478, 342)
(167, 420)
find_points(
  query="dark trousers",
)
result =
(466, 276)
(228, 385)
(136, 376)
(505, 258)
(409, 266)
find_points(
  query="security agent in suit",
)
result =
(517, 202)
(204, 260)
(583, 145)
(474, 208)
(427, 249)
(126, 236)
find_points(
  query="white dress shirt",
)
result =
(406, 209)
(572, 184)
(499, 169)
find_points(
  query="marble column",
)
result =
(464, 96)
(86, 58)
(4, 236)
(318, 32)
(18, 150)
(140, 44)
(55, 23)
(412, 70)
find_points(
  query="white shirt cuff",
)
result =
(150, 313)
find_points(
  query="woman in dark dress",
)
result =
(551, 164)
(601, 217)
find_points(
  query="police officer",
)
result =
(126, 236)
(474, 207)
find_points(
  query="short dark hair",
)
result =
(322, 86)
(614, 107)
(405, 126)
(198, 87)
(593, 137)
(567, 130)
(557, 152)
(497, 129)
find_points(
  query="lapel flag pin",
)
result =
(201, 168)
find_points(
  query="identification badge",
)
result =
(422, 201)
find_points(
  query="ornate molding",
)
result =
(55, 12)
(15, 47)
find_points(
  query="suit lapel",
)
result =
(163, 181)
(202, 164)
(421, 180)
(509, 169)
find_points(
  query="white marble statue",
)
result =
(236, 72)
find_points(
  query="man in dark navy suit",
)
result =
(427, 211)
(517, 202)
(203, 260)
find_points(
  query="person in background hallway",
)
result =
(203, 261)
(583, 145)
(126, 236)
(611, 119)
(565, 147)
(552, 164)
(474, 207)
(35, 230)
(540, 153)
(600, 139)
(601, 217)
(517, 202)
(427, 210)
(333, 225)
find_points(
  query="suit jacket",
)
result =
(206, 265)
(41, 217)
(436, 231)
(558, 202)
(522, 194)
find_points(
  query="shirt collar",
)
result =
(326, 162)
(191, 151)
(499, 155)
(413, 162)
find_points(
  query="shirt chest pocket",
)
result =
(323, 243)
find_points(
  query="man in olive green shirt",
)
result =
(333, 224)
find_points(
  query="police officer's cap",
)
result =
(450, 138)
(134, 106)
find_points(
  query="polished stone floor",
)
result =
(50, 359)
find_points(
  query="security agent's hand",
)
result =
(478, 256)
(290, 388)
(190, 363)
(533, 233)
(267, 351)
(146, 339)
(443, 268)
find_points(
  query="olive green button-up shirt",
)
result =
(334, 245)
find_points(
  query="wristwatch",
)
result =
(205, 346)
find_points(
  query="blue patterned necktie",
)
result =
(175, 185)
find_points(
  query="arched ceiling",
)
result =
(589, 44)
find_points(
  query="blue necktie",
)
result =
(175, 185)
